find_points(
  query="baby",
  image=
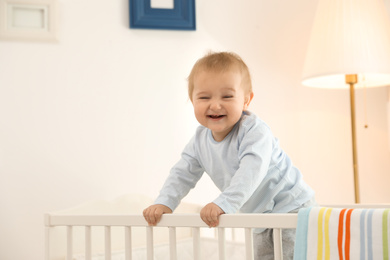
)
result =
(239, 153)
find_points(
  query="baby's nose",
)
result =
(215, 105)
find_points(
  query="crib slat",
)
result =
(88, 255)
(221, 243)
(196, 243)
(233, 234)
(69, 251)
(278, 247)
(149, 243)
(107, 232)
(128, 243)
(248, 244)
(172, 243)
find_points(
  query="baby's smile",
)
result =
(215, 116)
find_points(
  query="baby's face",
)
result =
(219, 100)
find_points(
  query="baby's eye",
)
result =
(228, 96)
(203, 97)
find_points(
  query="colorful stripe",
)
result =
(320, 234)
(369, 234)
(323, 245)
(300, 248)
(340, 234)
(348, 235)
(327, 244)
(344, 234)
(363, 235)
(385, 231)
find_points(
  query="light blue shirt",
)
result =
(250, 169)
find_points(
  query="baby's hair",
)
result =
(220, 62)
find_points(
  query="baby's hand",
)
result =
(210, 214)
(153, 213)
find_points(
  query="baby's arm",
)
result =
(153, 213)
(210, 214)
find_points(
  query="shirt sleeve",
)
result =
(255, 152)
(182, 178)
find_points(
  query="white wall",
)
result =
(104, 111)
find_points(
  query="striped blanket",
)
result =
(335, 233)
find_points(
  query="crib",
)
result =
(112, 234)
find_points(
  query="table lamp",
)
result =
(349, 47)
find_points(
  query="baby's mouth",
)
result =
(215, 116)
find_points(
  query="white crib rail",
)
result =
(171, 221)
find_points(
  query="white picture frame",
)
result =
(28, 20)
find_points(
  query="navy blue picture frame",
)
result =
(181, 17)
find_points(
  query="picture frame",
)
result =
(180, 17)
(28, 20)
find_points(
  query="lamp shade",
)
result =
(348, 37)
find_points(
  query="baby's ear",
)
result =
(248, 99)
